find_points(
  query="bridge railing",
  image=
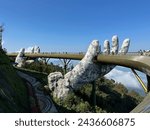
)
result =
(83, 53)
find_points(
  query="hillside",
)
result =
(13, 92)
(14, 96)
(110, 96)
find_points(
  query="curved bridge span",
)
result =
(133, 61)
(138, 62)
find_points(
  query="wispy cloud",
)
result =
(127, 78)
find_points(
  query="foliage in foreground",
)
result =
(46, 68)
(110, 96)
(13, 92)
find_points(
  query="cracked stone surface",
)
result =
(20, 60)
(106, 47)
(86, 70)
(36, 49)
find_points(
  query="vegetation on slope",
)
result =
(110, 96)
(46, 68)
(13, 93)
(40, 71)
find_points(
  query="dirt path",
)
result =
(44, 101)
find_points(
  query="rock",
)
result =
(53, 78)
(58, 84)
(85, 71)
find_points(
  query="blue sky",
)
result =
(70, 25)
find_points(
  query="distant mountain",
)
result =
(126, 77)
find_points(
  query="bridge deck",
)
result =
(138, 62)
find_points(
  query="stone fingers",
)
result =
(115, 46)
(125, 46)
(86, 70)
(106, 47)
(93, 50)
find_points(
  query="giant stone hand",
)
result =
(86, 70)
(20, 58)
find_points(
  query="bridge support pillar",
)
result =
(93, 95)
(140, 81)
(148, 83)
(47, 60)
(65, 63)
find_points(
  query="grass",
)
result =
(40, 76)
(13, 92)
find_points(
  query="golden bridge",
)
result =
(135, 61)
